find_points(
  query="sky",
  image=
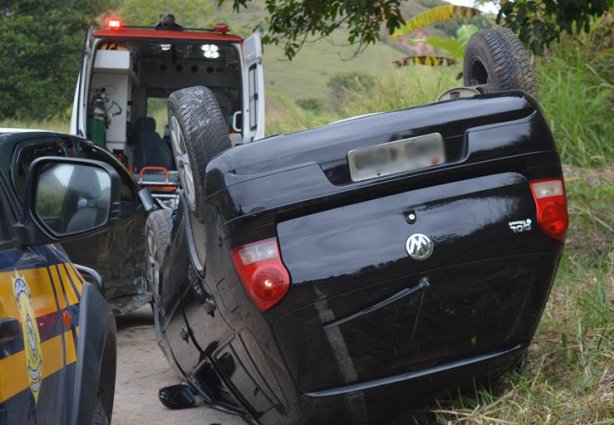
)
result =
(488, 7)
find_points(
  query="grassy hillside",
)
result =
(306, 75)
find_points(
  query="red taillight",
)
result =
(113, 23)
(551, 206)
(262, 273)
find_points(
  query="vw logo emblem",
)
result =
(419, 246)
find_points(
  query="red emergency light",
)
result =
(113, 23)
(221, 28)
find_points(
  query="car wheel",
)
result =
(100, 417)
(495, 58)
(158, 230)
(198, 133)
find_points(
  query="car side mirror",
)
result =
(66, 198)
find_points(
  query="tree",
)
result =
(40, 52)
(194, 13)
(539, 23)
(291, 22)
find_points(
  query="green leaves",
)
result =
(293, 22)
(539, 23)
(454, 47)
(433, 16)
(190, 13)
(40, 54)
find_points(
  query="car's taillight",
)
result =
(551, 206)
(262, 272)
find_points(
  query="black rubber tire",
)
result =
(158, 233)
(195, 113)
(496, 57)
(100, 418)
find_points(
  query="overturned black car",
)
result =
(343, 274)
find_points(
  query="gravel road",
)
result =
(141, 371)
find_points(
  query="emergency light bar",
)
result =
(113, 23)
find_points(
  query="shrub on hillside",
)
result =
(342, 84)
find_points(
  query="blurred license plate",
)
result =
(396, 157)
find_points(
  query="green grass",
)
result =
(579, 104)
(306, 76)
(57, 124)
(569, 376)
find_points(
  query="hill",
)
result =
(307, 75)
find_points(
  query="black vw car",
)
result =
(342, 274)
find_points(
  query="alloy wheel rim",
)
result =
(153, 266)
(182, 160)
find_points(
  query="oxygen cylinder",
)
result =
(98, 120)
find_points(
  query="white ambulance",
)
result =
(126, 71)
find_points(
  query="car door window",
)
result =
(91, 151)
(4, 234)
(30, 150)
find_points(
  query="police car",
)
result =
(57, 332)
(118, 251)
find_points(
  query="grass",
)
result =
(569, 375)
(579, 103)
(56, 124)
(306, 76)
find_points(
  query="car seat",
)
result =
(149, 149)
(83, 201)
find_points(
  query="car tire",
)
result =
(158, 232)
(495, 57)
(100, 417)
(198, 134)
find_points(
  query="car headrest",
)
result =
(87, 183)
(146, 124)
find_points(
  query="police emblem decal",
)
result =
(31, 336)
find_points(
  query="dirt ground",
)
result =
(141, 371)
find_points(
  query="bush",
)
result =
(40, 52)
(579, 104)
(403, 88)
(342, 84)
(312, 104)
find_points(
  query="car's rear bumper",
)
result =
(385, 400)
(478, 365)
